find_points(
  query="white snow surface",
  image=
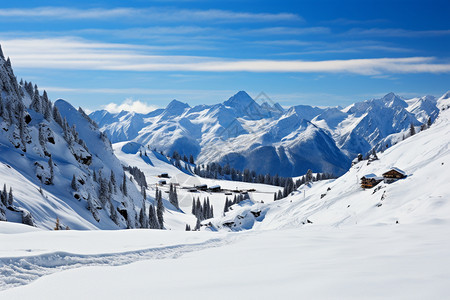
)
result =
(351, 248)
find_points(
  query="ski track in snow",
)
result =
(17, 271)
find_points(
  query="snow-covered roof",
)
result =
(372, 176)
(398, 170)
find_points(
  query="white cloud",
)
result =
(147, 14)
(130, 105)
(71, 53)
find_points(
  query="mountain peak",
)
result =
(394, 100)
(175, 104)
(240, 99)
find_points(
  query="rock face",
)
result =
(242, 132)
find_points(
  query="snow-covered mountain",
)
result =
(420, 198)
(241, 132)
(56, 164)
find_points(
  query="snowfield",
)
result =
(318, 262)
(328, 240)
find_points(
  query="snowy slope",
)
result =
(420, 198)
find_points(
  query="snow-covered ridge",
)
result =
(240, 130)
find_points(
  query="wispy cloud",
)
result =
(147, 14)
(130, 105)
(87, 55)
(395, 32)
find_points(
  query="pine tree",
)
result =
(197, 225)
(52, 171)
(188, 228)
(124, 185)
(159, 209)
(113, 213)
(142, 216)
(225, 209)
(152, 218)
(73, 184)
(112, 179)
(92, 208)
(36, 102)
(191, 159)
(10, 197)
(4, 195)
(412, 130)
(1, 52)
(57, 116)
(173, 197)
(429, 122)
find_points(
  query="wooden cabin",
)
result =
(163, 175)
(214, 188)
(393, 174)
(162, 182)
(370, 180)
(202, 187)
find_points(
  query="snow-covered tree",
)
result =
(152, 218)
(36, 101)
(159, 209)
(124, 185)
(173, 197)
(10, 197)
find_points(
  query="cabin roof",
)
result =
(372, 176)
(397, 170)
(215, 187)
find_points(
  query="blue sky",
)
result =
(143, 54)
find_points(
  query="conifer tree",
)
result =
(36, 101)
(113, 213)
(159, 209)
(412, 130)
(173, 197)
(10, 197)
(152, 218)
(124, 185)
(52, 171)
(73, 184)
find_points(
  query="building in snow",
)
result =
(393, 174)
(163, 175)
(368, 181)
(214, 188)
(202, 187)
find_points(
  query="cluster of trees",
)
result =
(237, 199)
(203, 210)
(173, 196)
(177, 156)
(138, 175)
(290, 185)
(150, 221)
(6, 200)
(216, 171)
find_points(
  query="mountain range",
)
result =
(242, 132)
